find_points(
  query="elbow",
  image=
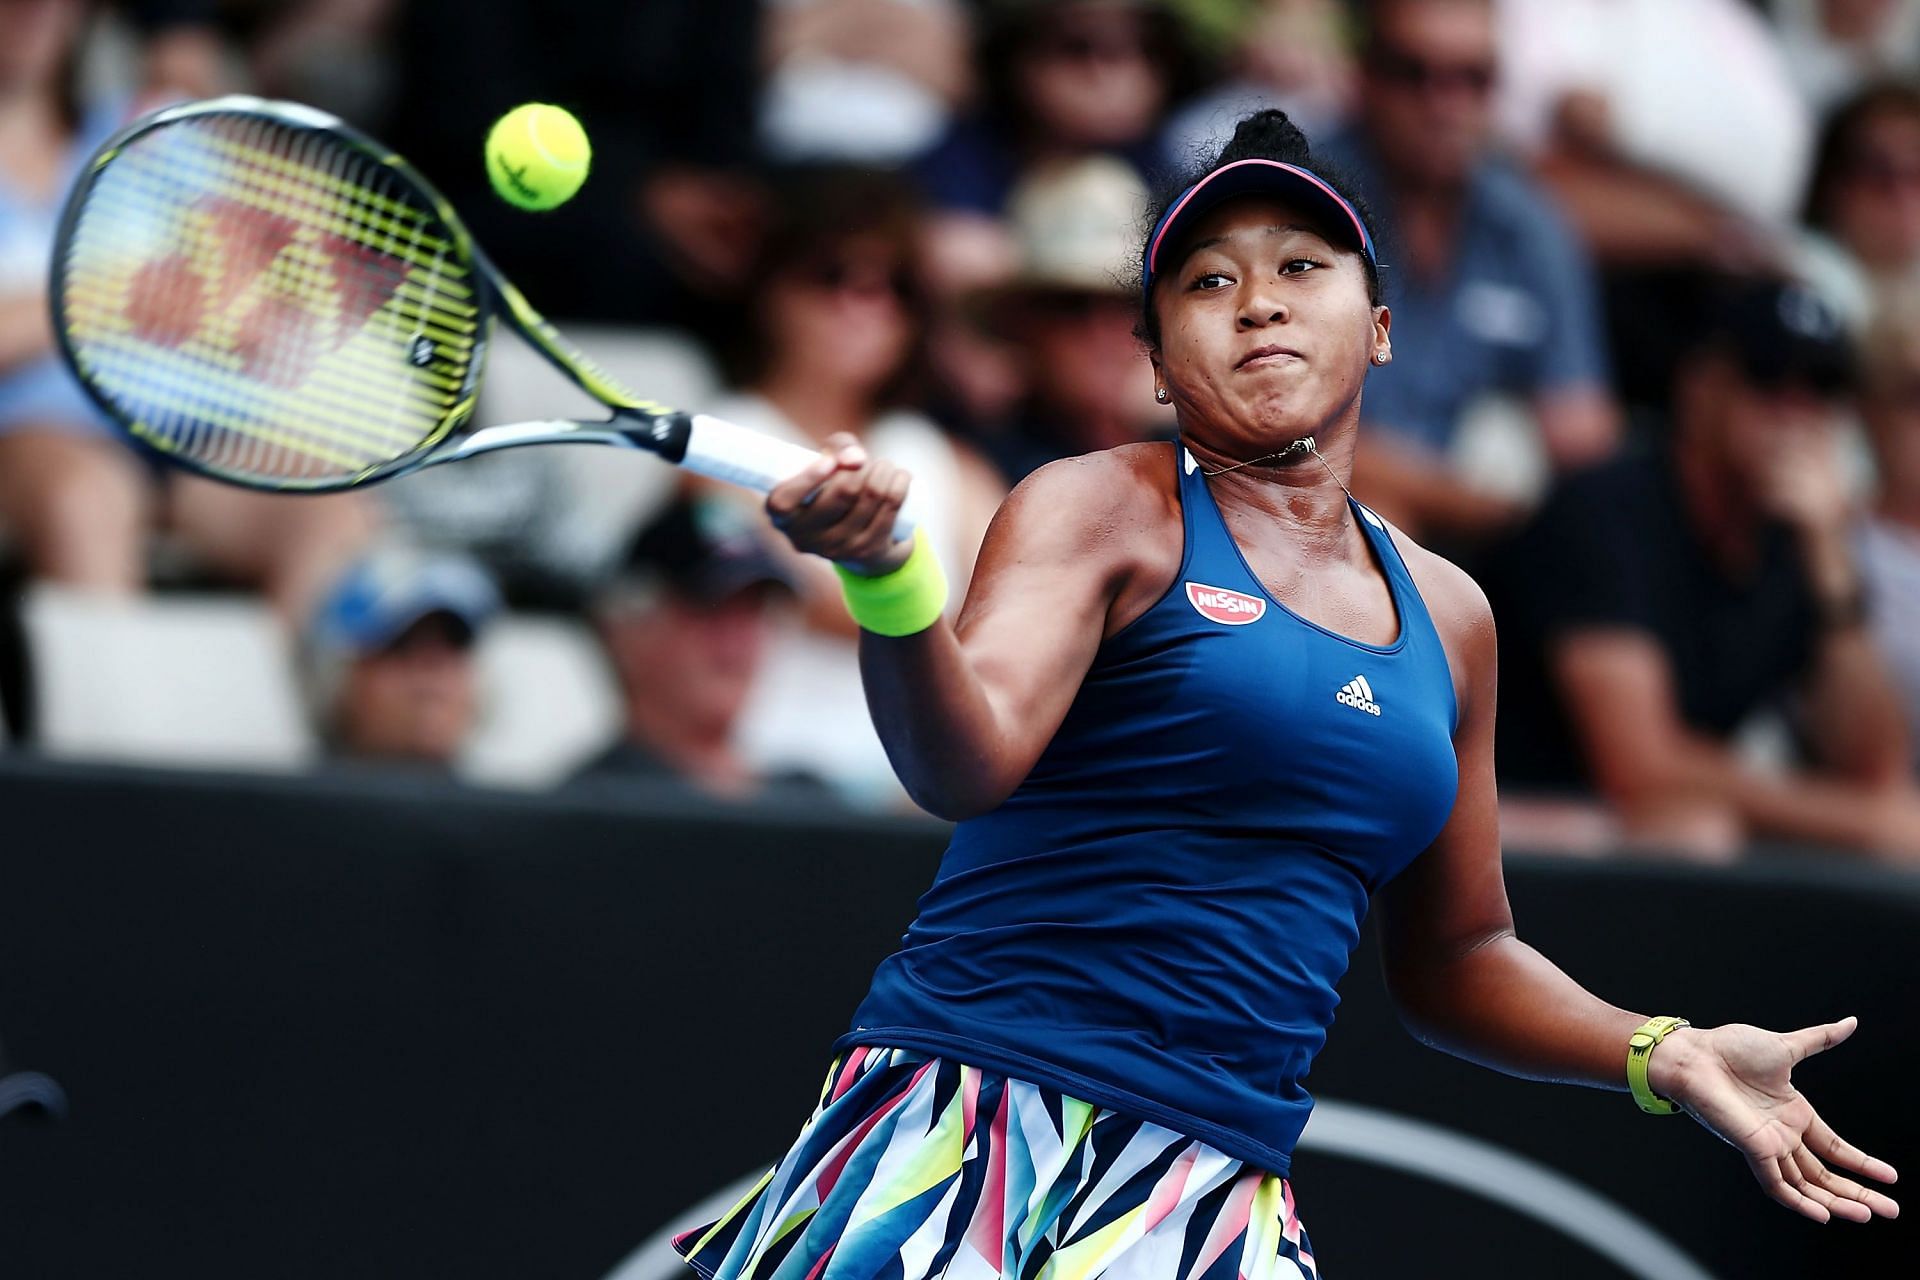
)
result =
(951, 798)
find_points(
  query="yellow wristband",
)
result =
(1640, 1047)
(901, 603)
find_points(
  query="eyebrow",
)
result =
(1212, 241)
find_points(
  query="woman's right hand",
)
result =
(843, 507)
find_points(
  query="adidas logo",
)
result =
(1358, 694)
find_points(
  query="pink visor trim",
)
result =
(1305, 175)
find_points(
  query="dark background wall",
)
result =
(358, 1027)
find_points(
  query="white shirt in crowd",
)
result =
(1698, 89)
(808, 710)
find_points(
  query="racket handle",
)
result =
(722, 451)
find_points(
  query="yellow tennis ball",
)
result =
(537, 156)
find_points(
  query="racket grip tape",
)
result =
(721, 450)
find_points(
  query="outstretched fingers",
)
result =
(1831, 1147)
(1771, 1173)
(1856, 1203)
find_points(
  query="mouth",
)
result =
(1268, 355)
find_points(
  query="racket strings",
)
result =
(269, 301)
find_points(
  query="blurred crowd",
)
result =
(1654, 268)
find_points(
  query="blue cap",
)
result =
(1254, 177)
(388, 591)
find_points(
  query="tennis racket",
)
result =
(265, 296)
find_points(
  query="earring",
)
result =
(1379, 357)
(1160, 394)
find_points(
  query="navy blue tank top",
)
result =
(1155, 920)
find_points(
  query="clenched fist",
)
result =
(843, 507)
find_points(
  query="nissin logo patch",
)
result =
(1217, 604)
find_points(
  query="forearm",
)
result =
(1504, 1005)
(1854, 718)
(1857, 725)
(25, 332)
(936, 721)
(1794, 806)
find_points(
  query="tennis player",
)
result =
(1199, 708)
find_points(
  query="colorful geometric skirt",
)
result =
(914, 1167)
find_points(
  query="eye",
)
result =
(1298, 266)
(1209, 280)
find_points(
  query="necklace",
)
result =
(1305, 444)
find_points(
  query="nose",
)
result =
(1261, 304)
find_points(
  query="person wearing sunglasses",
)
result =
(1482, 273)
(831, 337)
(1863, 201)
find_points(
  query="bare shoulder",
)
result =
(1097, 499)
(1456, 604)
(1106, 523)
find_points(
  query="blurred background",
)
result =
(1655, 274)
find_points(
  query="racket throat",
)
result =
(664, 434)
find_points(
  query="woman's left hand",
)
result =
(1734, 1079)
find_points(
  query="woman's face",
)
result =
(1266, 328)
(844, 316)
(35, 38)
(1876, 194)
(1086, 78)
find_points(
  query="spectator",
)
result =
(1863, 202)
(1890, 537)
(1834, 48)
(1061, 78)
(1071, 317)
(76, 501)
(1661, 599)
(1677, 165)
(686, 624)
(388, 658)
(1489, 290)
(831, 342)
(870, 81)
(1660, 121)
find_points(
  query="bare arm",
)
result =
(965, 709)
(25, 331)
(1458, 974)
(1617, 687)
(1464, 982)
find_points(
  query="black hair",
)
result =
(1834, 152)
(1264, 135)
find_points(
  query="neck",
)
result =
(817, 405)
(1305, 490)
(1725, 521)
(28, 109)
(1899, 505)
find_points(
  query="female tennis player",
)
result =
(1200, 706)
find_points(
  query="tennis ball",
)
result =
(537, 156)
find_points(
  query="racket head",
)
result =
(257, 292)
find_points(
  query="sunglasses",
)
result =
(1411, 71)
(1885, 174)
(861, 278)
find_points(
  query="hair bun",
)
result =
(1266, 135)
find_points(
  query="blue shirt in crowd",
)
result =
(41, 393)
(1515, 310)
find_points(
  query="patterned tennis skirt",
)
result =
(915, 1167)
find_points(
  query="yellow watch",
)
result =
(1640, 1046)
